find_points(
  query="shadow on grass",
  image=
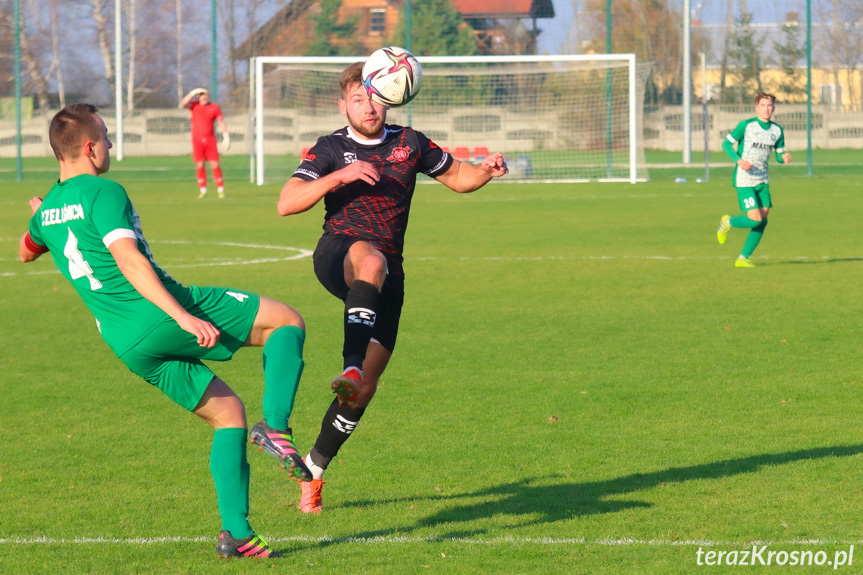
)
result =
(549, 503)
(825, 261)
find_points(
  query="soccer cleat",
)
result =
(310, 500)
(347, 387)
(724, 228)
(202, 195)
(280, 444)
(251, 546)
(221, 194)
(744, 263)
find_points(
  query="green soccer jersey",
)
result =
(78, 220)
(755, 140)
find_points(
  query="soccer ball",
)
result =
(392, 76)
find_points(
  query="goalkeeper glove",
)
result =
(226, 141)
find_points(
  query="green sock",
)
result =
(230, 470)
(752, 239)
(283, 366)
(743, 222)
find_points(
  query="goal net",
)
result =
(555, 118)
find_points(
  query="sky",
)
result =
(559, 34)
(556, 32)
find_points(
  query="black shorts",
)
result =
(329, 259)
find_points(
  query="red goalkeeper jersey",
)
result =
(203, 118)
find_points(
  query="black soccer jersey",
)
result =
(377, 214)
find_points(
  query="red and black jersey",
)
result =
(377, 214)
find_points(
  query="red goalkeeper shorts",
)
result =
(205, 149)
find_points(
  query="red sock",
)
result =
(217, 175)
(202, 178)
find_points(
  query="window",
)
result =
(377, 20)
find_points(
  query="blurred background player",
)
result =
(366, 174)
(755, 138)
(156, 326)
(204, 113)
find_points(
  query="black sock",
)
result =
(360, 312)
(337, 426)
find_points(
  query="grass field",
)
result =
(661, 163)
(583, 384)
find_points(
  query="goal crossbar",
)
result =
(454, 65)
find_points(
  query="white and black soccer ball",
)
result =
(392, 76)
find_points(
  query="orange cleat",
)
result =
(347, 387)
(310, 500)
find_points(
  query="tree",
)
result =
(240, 18)
(7, 43)
(148, 47)
(131, 18)
(101, 20)
(437, 29)
(67, 50)
(790, 51)
(845, 42)
(191, 25)
(729, 24)
(650, 29)
(35, 46)
(226, 9)
(55, 48)
(178, 8)
(852, 37)
(744, 58)
(331, 37)
(30, 55)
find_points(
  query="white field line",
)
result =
(541, 541)
(300, 254)
(304, 253)
(613, 258)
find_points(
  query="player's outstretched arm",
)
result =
(28, 250)
(140, 274)
(299, 195)
(463, 177)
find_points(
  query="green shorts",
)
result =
(754, 198)
(170, 357)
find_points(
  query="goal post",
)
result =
(555, 118)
